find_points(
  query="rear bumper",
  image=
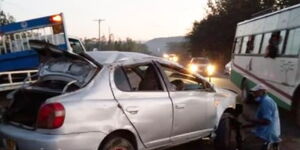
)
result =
(32, 140)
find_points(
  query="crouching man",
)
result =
(266, 123)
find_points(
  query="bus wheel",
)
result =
(296, 106)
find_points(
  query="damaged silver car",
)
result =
(113, 101)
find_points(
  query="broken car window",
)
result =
(121, 80)
(181, 80)
(143, 78)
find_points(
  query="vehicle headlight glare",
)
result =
(210, 70)
(193, 68)
(175, 58)
(165, 55)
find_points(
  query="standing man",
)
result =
(266, 122)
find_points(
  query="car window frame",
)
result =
(169, 85)
(127, 80)
(163, 85)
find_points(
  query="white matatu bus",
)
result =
(266, 51)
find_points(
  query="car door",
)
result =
(193, 103)
(141, 93)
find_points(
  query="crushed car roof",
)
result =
(109, 57)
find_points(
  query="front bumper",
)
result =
(32, 140)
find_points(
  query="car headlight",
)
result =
(175, 58)
(193, 68)
(210, 69)
(165, 55)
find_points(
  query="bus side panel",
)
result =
(257, 69)
(236, 78)
(251, 83)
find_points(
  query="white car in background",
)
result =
(201, 65)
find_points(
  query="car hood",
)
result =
(201, 65)
(57, 62)
(226, 92)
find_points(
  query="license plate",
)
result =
(10, 144)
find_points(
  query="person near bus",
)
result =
(266, 123)
(273, 47)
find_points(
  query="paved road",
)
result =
(290, 133)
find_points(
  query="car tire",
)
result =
(117, 143)
(225, 134)
(245, 89)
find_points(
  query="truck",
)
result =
(18, 62)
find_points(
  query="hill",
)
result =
(159, 46)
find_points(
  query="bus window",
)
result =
(237, 45)
(265, 44)
(282, 36)
(273, 44)
(293, 45)
(257, 43)
(244, 45)
(250, 44)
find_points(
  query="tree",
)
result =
(119, 45)
(213, 36)
(287, 3)
(5, 18)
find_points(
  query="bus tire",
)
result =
(296, 106)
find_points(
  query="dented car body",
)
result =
(83, 102)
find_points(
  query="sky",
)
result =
(137, 19)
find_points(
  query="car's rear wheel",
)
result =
(226, 138)
(117, 143)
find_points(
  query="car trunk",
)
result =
(25, 106)
(59, 73)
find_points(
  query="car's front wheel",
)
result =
(117, 143)
(226, 138)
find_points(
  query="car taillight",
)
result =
(51, 116)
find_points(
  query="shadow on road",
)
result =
(197, 145)
(290, 132)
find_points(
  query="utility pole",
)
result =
(99, 36)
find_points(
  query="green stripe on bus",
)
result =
(237, 78)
